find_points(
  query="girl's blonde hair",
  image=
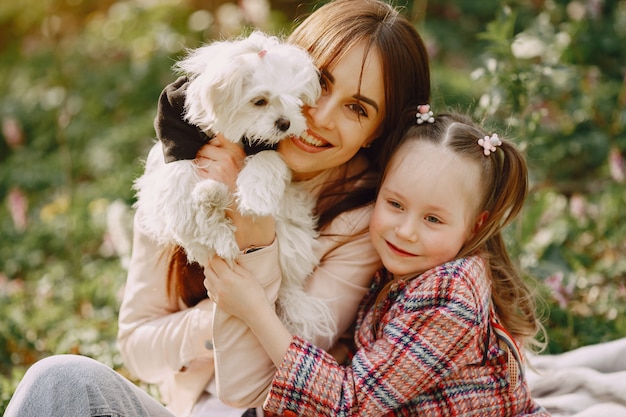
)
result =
(504, 179)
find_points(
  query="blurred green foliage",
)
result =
(554, 74)
(80, 82)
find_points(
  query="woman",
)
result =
(373, 64)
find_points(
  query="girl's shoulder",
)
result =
(469, 266)
(461, 267)
(461, 276)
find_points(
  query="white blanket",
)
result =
(586, 382)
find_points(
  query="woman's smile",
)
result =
(310, 142)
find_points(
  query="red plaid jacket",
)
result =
(434, 354)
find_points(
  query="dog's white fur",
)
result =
(252, 87)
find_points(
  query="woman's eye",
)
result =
(323, 84)
(358, 109)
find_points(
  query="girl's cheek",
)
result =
(375, 221)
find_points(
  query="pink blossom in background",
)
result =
(577, 206)
(616, 165)
(18, 206)
(12, 132)
(11, 287)
(561, 292)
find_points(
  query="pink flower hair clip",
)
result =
(424, 114)
(489, 143)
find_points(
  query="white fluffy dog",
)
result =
(246, 89)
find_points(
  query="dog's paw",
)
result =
(224, 244)
(261, 184)
(210, 197)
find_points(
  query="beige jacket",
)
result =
(166, 343)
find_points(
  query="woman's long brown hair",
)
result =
(187, 278)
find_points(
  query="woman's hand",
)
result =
(221, 160)
(234, 289)
(237, 292)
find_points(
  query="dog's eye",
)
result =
(259, 102)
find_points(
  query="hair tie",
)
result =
(424, 114)
(489, 144)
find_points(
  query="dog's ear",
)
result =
(313, 89)
(207, 68)
(303, 74)
(309, 76)
(240, 66)
(233, 79)
(203, 60)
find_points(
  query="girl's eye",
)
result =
(394, 204)
(432, 219)
(358, 109)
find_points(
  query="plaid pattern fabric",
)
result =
(432, 355)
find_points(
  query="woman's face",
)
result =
(344, 119)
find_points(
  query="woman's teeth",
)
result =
(311, 140)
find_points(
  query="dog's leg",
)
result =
(261, 184)
(164, 208)
(215, 231)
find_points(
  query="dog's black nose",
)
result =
(283, 124)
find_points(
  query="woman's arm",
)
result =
(158, 336)
(161, 340)
(240, 361)
(251, 306)
(244, 370)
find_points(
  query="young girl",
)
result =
(442, 328)
(373, 64)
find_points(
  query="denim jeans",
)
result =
(77, 386)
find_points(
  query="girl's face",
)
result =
(344, 119)
(426, 208)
